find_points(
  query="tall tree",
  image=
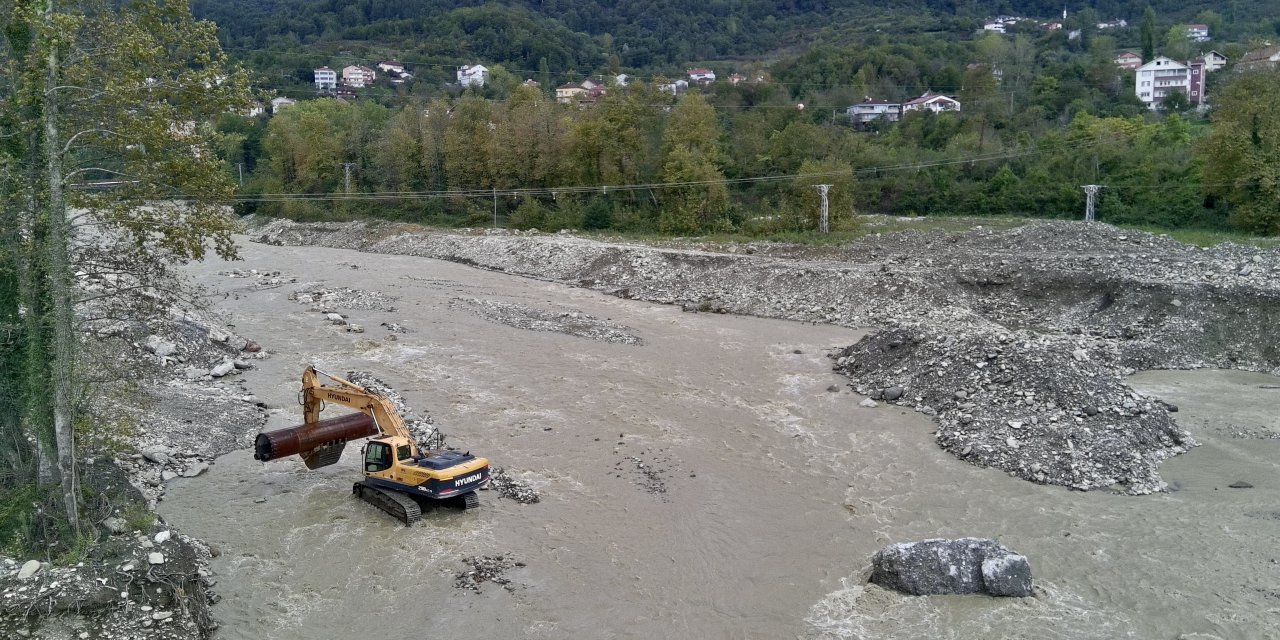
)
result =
(101, 91)
(1147, 30)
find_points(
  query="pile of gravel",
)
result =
(482, 569)
(324, 299)
(421, 426)
(569, 322)
(512, 489)
(1052, 409)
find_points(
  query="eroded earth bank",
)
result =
(711, 474)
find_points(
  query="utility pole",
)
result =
(822, 221)
(240, 168)
(346, 175)
(1090, 200)
(495, 207)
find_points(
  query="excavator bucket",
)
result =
(319, 444)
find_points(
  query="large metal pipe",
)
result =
(305, 439)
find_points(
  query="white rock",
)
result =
(168, 475)
(116, 525)
(29, 568)
(155, 557)
(1080, 355)
(335, 318)
(162, 615)
(222, 369)
(159, 346)
(1012, 442)
(163, 536)
(868, 403)
(195, 470)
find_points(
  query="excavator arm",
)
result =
(351, 395)
(320, 443)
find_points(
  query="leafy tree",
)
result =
(113, 92)
(1177, 44)
(1147, 31)
(1241, 153)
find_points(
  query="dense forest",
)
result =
(1043, 113)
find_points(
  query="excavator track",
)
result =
(402, 507)
(470, 501)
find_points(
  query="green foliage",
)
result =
(1241, 153)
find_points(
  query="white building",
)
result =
(870, 109)
(936, 103)
(1198, 32)
(1161, 77)
(280, 102)
(326, 79)
(701, 76)
(994, 27)
(358, 76)
(473, 75)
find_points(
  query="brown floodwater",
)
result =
(762, 496)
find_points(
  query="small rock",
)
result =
(162, 615)
(355, 328)
(241, 364)
(252, 347)
(259, 500)
(29, 569)
(195, 470)
(1240, 484)
(159, 346)
(168, 475)
(335, 318)
(892, 393)
(115, 525)
(834, 388)
(1080, 355)
(155, 557)
(163, 536)
(222, 369)
(868, 403)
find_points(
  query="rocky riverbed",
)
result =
(1017, 341)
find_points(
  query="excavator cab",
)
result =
(377, 457)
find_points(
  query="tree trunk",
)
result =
(57, 262)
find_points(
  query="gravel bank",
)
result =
(1017, 340)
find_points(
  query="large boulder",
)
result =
(946, 567)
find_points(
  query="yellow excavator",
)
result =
(400, 477)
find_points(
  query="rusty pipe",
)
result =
(306, 438)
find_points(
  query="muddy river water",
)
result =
(761, 497)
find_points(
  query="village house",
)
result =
(929, 101)
(870, 109)
(1113, 24)
(737, 79)
(1053, 26)
(391, 66)
(473, 75)
(1264, 59)
(675, 88)
(1198, 32)
(531, 83)
(585, 92)
(1158, 79)
(1128, 60)
(357, 76)
(395, 72)
(280, 102)
(994, 27)
(1213, 61)
(326, 79)
(701, 76)
(622, 80)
